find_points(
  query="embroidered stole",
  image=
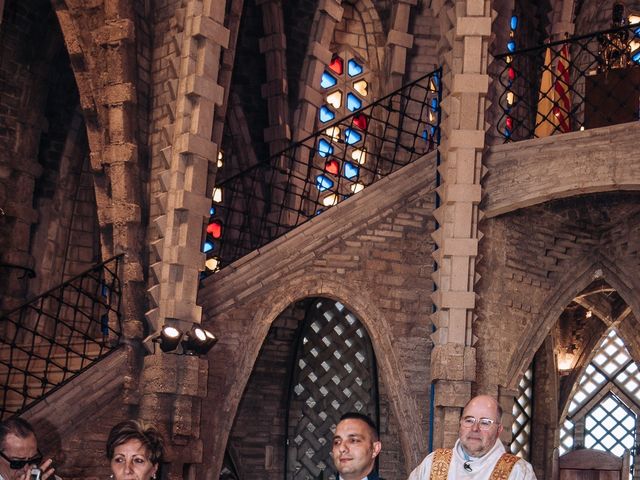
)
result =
(442, 459)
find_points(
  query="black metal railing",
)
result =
(583, 82)
(266, 201)
(61, 333)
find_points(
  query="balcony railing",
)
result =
(59, 334)
(266, 201)
(583, 82)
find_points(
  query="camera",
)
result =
(35, 474)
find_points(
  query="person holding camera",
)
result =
(134, 450)
(20, 458)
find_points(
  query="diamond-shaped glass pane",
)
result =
(521, 427)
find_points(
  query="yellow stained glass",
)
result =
(333, 132)
(361, 87)
(330, 200)
(216, 195)
(359, 156)
(212, 263)
(509, 98)
(335, 99)
(357, 187)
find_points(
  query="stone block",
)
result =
(331, 8)
(473, 26)
(470, 83)
(452, 299)
(119, 94)
(475, 7)
(206, 27)
(276, 41)
(319, 51)
(399, 38)
(115, 32)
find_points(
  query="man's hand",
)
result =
(47, 469)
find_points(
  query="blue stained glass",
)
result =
(636, 57)
(208, 246)
(350, 170)
(324, 148)
(212, 211)
(351, 136)
(323, 183)
(507, 133)
(327, 80)
(511, 46)
(637, 32)
(514, 22)
(326, 114)
(353, 102)
(434, 104)
(354, 68)
(425, 136)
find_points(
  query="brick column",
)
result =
(467, 26)
(273, 46)
(171, 382)
(398, 42)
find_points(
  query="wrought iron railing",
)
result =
(583, 82)
(271, 198)
(61, 333)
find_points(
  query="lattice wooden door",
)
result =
(334, 373)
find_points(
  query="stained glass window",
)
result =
(511, 47)
(603, 410)
(346, 89)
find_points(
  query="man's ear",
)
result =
(377, 446)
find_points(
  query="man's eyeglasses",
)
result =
(17, 464)
(483, 423)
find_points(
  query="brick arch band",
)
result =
(273, 302)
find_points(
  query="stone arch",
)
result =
(289, 291)
(571, 284)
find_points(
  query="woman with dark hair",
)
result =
(134, 450)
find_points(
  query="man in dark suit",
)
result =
(355, 447)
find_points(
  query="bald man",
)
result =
(478, 453)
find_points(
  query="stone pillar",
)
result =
(398, 42)
(273, 46)
(465, 29)
(188, 155)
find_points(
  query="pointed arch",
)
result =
(289, 291)
(568, 287)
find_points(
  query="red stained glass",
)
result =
(332, 166)
(512, 74)
(337, 65)
(215, 229)
(360, 121)
(509, 123)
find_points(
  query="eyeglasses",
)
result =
(17, 464)
(483, 423)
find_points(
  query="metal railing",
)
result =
(583, 82)
(271, 198)
(59, 334)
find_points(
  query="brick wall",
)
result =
(378, 265)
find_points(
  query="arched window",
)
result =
(334, 372)
(605, 404)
